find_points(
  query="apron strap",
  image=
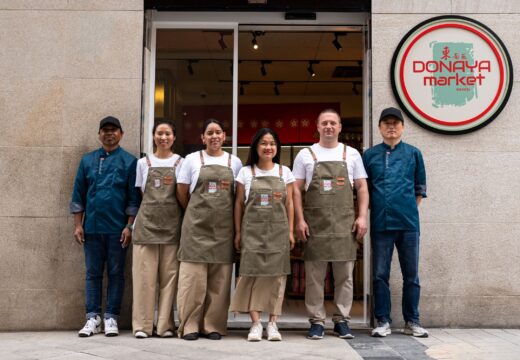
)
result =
(313, 155)
(177, 162)
(229, 160)
(280, 171)
(201, 158)
(344, 152)
(148, 161)
(253, 171)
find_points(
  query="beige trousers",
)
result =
(315, 272)
(203, 297)
(154, 271)
(259, 293)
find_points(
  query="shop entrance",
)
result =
(251, 75)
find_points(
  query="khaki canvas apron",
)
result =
(208, 229)
(329, 212)
(160, 215)
(265, 228)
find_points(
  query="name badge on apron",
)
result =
(212, 187)
(326, 185)
(157, 182)
(264, 199)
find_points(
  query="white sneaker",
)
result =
(272, 332)
(111, 327)
(167, 334)
(412, 328)
(255, 333)
(92, 326)
(140, 335)
(382, 329)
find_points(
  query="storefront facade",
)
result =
(65, 66)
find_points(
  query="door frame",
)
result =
(238, 21)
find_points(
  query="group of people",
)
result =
(197, 212)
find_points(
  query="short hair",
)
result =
(328, 110)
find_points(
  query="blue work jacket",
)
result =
(105, 190)
(395, 177)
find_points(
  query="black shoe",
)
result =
(342, 330)
(191, 336)
(214, 336)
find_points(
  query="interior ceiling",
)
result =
(266, 5)
(286, 57)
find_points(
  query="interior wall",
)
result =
(470, 222)
(64, 66)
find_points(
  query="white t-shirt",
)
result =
(245, 176)
(142, 168)
(304, 164)
(190, 168)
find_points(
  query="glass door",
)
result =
(192, 78)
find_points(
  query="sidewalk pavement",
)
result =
(445, 344)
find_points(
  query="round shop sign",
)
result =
(451, 74)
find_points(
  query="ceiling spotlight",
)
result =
(263, 70)
(242, 87)
(221, 42)
(310, 69)
(254, 42)
(335, 42)
(276, 90)
(354, 89)
(189, 67)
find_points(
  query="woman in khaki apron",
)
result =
(156, 237)
(263, 234)
(207, 191)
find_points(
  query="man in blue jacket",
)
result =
(397, 184)
(104, 203)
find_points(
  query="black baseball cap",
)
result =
(391, 112)
(110, 120)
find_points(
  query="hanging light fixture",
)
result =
(221, 42)
(336, 42)
(190, 67)
(276, 89)
(310, 69)
(254, 43)
(263, 70)
(354, 88)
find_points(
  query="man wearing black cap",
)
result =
(397, 184)
(104, 203)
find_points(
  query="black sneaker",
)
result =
(342, 330)
(316, 332)
(191, 336)
(214, 336)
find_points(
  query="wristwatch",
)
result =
(129, 227)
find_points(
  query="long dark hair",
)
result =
(252, 158)
(164, 122)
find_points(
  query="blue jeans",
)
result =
(100, 249)
(407, 244)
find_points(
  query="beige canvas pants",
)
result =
(154, 271)
(203, 297)
(315, 272)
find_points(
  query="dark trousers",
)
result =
(407, 244)
(100, 249)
